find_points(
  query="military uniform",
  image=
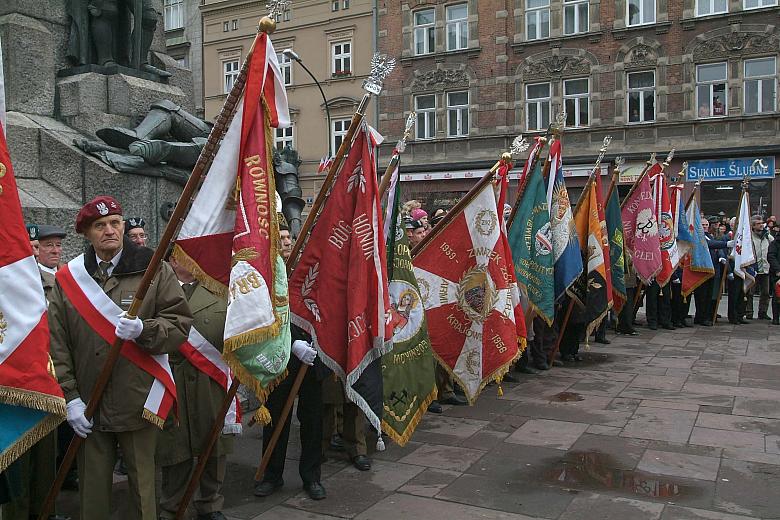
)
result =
(199, 401)
(79, 354)
(353, 430)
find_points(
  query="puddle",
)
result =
(567, 397)
(597, 471)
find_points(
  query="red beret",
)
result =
(100, 206)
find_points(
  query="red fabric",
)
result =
(665, 218)
(100, 206)
(13, 233)
(604, 236)
(342, 270)
(212, 253)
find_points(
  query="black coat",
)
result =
(718, 250)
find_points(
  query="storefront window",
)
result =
(723, 196)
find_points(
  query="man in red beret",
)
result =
(87, 313)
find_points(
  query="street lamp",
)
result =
(291, 54)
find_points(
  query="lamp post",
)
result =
(294, 56)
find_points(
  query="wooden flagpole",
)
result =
(205, 158)
(380, 69)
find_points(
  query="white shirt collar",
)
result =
(114, 261)
(50, 270)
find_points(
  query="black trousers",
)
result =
(626, 316)
(310, 416)
(658, 304)
(570, 341)
(544, 340)
(680, 305)
(737, 301)
(702, 296)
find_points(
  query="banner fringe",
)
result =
(29, 439)
(153, 418)
(403, 437)
(35, 400)
(213, 285)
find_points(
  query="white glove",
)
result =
(730, 276)
(724, 261)
(730, 243)
(76, 418)
(304, 351)
(128, 329)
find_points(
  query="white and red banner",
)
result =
(102, 315)
(31, 401)
(469, 293)
(667, 230)
(338, 290)
(206, 358)
(744, 254)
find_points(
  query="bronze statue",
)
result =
(112, 32)
(286, 165)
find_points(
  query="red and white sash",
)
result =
(205, 357)
(102, 315)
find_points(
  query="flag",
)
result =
(667, 232)
(229, 238)
(680, 217)
(469, 292)
(744, 256)
(640, 229)
(338, 290)
(617, 260)
(325, 163)
(568, 261)
(31, 401)
(596, 295)
(531, 244)
(697, 264)
(408, 380)
(604, 236)
(2, 90)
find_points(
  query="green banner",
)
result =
(615, 230)
(530, 239)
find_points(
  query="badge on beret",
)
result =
(32, 230)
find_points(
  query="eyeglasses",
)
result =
(142, 236)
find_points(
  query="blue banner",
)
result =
(731, 169)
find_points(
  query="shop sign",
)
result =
(568, 171)
(731, 169)
(630, 172)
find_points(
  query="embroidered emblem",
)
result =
(3, 327)
(476, 295)
(102, 208)
(486, 222)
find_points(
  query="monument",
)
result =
(75, 69)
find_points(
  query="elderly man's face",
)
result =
(758, 225)
(137, 236)
(105, 235)
(705, 225)
(285, 241)
(50, 251)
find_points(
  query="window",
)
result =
(284, 138)
(230, 69)
(576, 102)
(173, 13)
(235, 25)
(285, 66)
(756, 4)
(641, 97)
(340, 128)
(225, 26)
(345, 4)
(537, 19)
(183, 62)
(425, 107)
(424, 32)
(760, 85)
(575, 16)
(457, 27)
(284, 16)
(334, 6)
(711, 95)
(457, 114)
(342, 58)
(641, 12)
(537, 112)
(707, 7)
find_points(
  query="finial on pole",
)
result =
(669, 158)
(602, 151)
(619, 162)
(381, 67)
(652, 159)
(275, 8)
(401, 145)
(519, 145)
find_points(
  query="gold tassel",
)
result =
(685, 299)
(500, 390)
(587, 343)
(262, 416)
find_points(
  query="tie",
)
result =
(104, 267)
(188, 288)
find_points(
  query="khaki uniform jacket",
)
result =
(79, 353)
(48, 283)
(199, 397)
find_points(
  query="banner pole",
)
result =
(394, 160)
(524, 180)
(204, 161)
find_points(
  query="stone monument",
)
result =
(72, 68)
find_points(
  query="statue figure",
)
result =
(100, 33)
(167, 143)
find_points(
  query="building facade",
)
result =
(333, 38)
(184, 42)
(697, 75)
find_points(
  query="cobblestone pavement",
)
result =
(669, 425)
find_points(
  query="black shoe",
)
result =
(743, 321)
(456, 400)
(577, 357)
(214, 515)
(748, 317)
(706, 323)
(763, 317)
(361, 462)
(542, 365)
(652, 326)
(628, 332)
(509, 378)
(54, 517)
(266, 488)
(336, 442)
(528, 370)
(314, 490)
(435, 407)
(458, 390)
(557, 363)
(775, 321)
(603, 341)
(668, 327)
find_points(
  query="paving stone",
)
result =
(679, 465)
(406, 506)
(429, 482)
(454, 426)
(748, 488)
(598, 429)
(756, 371)
(661, 424)
(343, 498)
(485, 440)
(739, 423)
(769, 384)
(598, 387)
(729, 439)
(290, 513)
(751, 456)
(672, 512)
(611, 508)
(682, 396)
(757, 407)
(443, 457)
(772, 444)
(394, 452)
(624, 404)
(623, 453)
(658, 382)
(723, 377)
(550, 434)
(524, 496)
(670, 405)
(672, 362)
(568, 412)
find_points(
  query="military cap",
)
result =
(416, 224)
(32, 231)
(134, 222)
(47, 231)
(99, 207)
